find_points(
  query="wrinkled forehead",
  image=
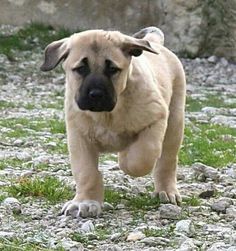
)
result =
(96, 46)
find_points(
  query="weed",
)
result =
(49, 188)
(192, 201)
(204, 143)
(29, 38)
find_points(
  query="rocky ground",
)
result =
(36, 181)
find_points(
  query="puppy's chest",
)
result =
(107, 139)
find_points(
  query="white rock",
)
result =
(185, 227)
(169, 211)
(212, 59)
(11, 200)
(187, 245)
(135, 236)
(204, 171)
(4, 234)
(114, 248)
(87, 226)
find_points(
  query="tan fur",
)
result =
(146, 125)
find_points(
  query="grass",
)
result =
(49, 188)
(10, 162)
(204, 143)
(20, 245)
(217, 101)
(20, 126)
(192, 201)
(28, 38)
(133, 202)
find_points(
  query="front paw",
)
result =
(169, 196)
(85, 208)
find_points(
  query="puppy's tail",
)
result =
(152, 34)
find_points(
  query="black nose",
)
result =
(96, 93)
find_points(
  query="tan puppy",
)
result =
(123, 94)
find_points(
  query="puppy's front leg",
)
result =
(89, 184)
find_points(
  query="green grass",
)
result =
(217, 101)
(20, 126)
(49, 188)
(137, 202)
(192, 201)
(11, 162)
(20, 245)
(204, 143)
(28, 38)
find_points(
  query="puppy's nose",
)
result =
(96, 93)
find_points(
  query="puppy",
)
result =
(123, 94)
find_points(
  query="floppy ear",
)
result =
(54, 53)
(135, 47)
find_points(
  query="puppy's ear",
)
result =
(135, 47)
(54, 54)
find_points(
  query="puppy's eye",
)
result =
(82, 70)
(113, 70)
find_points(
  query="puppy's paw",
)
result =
(172, 197)
(85, 208)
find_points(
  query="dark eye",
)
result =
(113, 70)
(82, 70)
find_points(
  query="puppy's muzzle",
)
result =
(96, 94)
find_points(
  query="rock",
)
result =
(114, 248)
(70, 245)
(88, 226)
(221, 205)
(4, 234)
(186, 227)
(220, 246)
(212, 59)
(116, 236)
(169, 211)
(187, 245)
(231, 211)
(207, 194)
(10, 201)
(135, 236)
(203, 171)
(154, 241)
(231, 171)
(108, 207)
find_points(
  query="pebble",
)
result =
(13, 204)
(154, 241)
(186, 227)
(88, 226)
(221, 205)
(187, 245)
(135, 236)
(169, 211)
(204, 171)
(114, 248)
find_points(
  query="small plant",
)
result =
(204, 143)
(192, 201)
(49, 188)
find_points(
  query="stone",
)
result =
(207, 194)
(70, 245)
(88, 226)
(221, 205)
(135, 236)
(203, 171)
(169, 211)
(186, 227)
(4, 234)
(114, 248)
(212, 59)
(116, 236)
(154, 241)
(187, 245)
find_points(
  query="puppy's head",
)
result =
(97, 64)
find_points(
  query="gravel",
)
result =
(209, 225)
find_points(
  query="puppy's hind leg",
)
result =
(152, 34)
